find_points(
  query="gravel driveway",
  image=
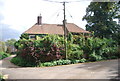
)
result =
(96, 70)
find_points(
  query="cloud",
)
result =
(9, 33)
(22, 14)
(6, 32)
(16, 16)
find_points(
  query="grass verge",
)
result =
(3, 55)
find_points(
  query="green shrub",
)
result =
(21, 62)
(54, 63)
(45, 49)
(95, 49)
(82, 60)
(61, 62)
(65, 62)
(1, 78)
(90, 48)
(24, 36)
(73, 61)
(94, 57)
(74, 51)
(3, 55)
(48, 64)
(48, 51)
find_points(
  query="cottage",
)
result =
(42, 29)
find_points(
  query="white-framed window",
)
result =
(32, 36)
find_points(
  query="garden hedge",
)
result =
(51, 48)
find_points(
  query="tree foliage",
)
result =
(10, 42)
(51, 48)
(10, 45)
(45, 49)
(2, 46)
(24, 36)
(100, 18)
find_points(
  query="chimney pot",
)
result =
(39, 20)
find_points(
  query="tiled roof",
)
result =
(74, 28)
(54, 29)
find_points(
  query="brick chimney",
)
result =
(39, 20)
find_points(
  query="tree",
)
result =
(2, 46)
(100, 18)
(10, 45)
(10, 42)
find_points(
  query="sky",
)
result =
(20, 15)
(16, 16)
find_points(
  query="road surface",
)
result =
(96, 70)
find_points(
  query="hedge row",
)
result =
(50, 48)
